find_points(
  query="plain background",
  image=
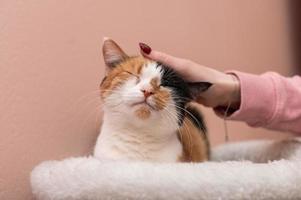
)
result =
(51, 66)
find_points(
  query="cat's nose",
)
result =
(147, 93)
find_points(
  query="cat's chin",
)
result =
(143, 104)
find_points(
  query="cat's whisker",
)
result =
(88, 103)
(118, 104)
(190, 137)
(174, 116)
(185, 127)
(172, 122)
(186, 111)
(81, 98)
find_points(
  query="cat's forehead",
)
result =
(151, 70)
(146, 69)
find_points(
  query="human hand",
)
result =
(224, 91)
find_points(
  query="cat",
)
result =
(148, 114)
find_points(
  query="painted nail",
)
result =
(145, 48)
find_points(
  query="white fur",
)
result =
(259, 151)
(125, 136)
(94, 179)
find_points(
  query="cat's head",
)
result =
(141, 90)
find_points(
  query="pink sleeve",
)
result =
(270, 100)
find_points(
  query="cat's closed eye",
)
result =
(136, 76)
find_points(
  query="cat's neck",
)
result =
(121, 138)
(121, 127)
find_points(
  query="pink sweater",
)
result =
(270, 100)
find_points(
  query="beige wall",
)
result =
(50, 64)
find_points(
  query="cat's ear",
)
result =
(112, 53)
(195, 88)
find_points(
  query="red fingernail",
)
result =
(145, 48)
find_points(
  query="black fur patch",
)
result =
(197, 118)
(181, 94)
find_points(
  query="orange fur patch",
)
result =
(155, 83)
(161, 98)
(194, 142)
(120, 73)
(143, 112)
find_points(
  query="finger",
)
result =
(171, 61)
(166, 59)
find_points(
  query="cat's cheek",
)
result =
(161, 99)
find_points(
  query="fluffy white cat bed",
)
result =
(90, 178)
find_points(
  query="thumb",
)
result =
(171, 61)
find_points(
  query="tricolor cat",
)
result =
(147, 112)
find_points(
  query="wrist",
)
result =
(225, 90)
(230, 97)
(234, 92)
(228, 91)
